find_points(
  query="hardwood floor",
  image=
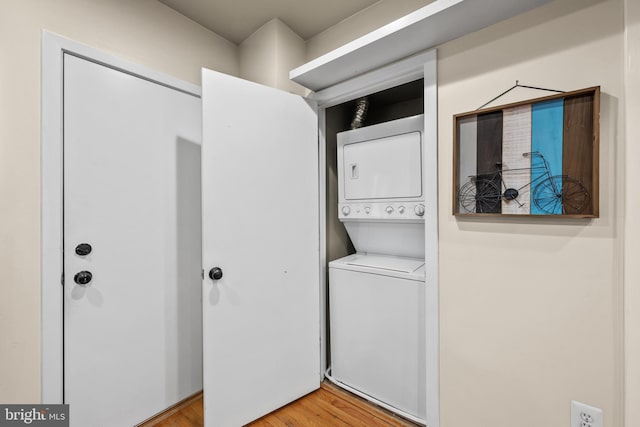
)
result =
(188, 413)
(329, 406)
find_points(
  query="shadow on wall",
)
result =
(188, 293)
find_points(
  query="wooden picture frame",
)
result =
(538, 157)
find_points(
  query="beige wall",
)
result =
(531, 309)
(268, 54)
(257, 55)
(632, 227)
(143, 31)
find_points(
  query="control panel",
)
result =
(381, 211)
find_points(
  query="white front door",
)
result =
(132, 333)
(261, 230)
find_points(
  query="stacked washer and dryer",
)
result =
(376, 296)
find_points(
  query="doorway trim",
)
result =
(422, 65)
(52, 128)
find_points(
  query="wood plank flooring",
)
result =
(328, 406)
(187, 413)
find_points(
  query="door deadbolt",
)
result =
(215, 273)
(83, 249)
(83, 278)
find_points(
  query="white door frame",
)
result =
(53, 49)
(421, 65)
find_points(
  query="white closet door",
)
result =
(261, 229)
(132, 334)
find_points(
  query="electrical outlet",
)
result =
(585, 416)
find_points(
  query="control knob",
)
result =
(419, 210)
(401, 209)
(389, 210)
(346, 210)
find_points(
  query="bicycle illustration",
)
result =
(551, 194)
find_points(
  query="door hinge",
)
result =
(202, 273)
(62, 279)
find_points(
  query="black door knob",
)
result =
(215, 273)
(83, 277)
(83, 249)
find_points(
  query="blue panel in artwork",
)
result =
(546, 139)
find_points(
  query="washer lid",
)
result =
(401, 265)
(384, 265)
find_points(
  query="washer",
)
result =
(377, 328)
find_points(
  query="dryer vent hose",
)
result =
(362, 105)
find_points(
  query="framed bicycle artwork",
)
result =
(537, 157)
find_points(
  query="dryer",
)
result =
(376, 296)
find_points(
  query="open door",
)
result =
(260, 214)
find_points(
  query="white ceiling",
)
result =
(236, 20)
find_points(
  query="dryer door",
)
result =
(260, 249)
(383, 168)
(381, 162)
